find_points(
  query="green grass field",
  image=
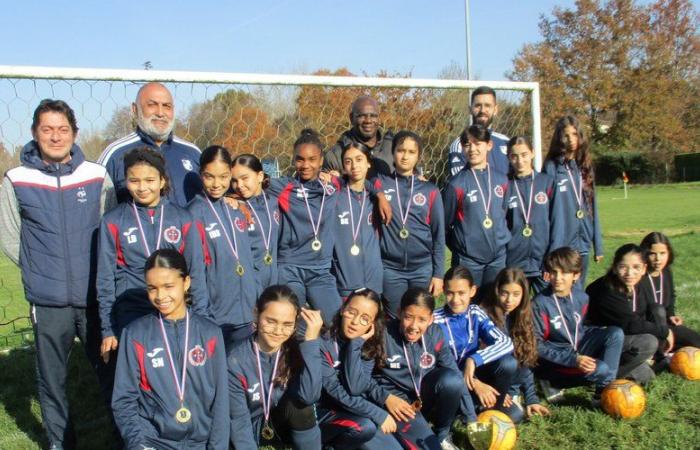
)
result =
(671, 421)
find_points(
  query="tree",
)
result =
(627, 70)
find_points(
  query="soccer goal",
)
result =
(254, 113)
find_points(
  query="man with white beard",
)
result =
(154, 111)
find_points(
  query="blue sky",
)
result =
(272, 36)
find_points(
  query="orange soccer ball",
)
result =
(686, 363)
(504, 434)
(623, 398)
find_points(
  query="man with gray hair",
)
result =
(364, 118)
(154, 111)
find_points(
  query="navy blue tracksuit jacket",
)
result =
(363, 270)
(246, 388)
(464, 215)
(296, 231)
(269, 217)
(567, 230)
(527, 253)
(145, 396)
(121, 288)
(181, 164)
(231, 296)
(425, 245)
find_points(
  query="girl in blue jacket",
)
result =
(478, 347)
(227, 258)
(477, 232)
(274, 380)
(575, 221)
(170, 388)
(413, 243)
(356, 258)
(250, 183)
(129, 234)
(509, 307)
(350, 349)
(528, 202)
(418, 382)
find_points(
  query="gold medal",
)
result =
(183, 415)
(417, 405)
(487, 223)
(316, 245)
(239, 269)
(527, 231)
(403, 234)
(267, 432)
(267, 259)
(354, 250)
(580, 214)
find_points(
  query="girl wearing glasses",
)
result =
(354, 341)
(275, 380)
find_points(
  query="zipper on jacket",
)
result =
(63, 233)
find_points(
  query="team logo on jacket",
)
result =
(394, 362)
(472, 196)
(187, 164)
(369, 219)
(419, 199)
(387, 194)
(562, 185)
(197, 356)
(82, 195)
(130, 235)
(240, 224)
(172, 235)
(276, 216)
(212, 231)
(504, 149)
(513, 202)
(498, 190)
(156, 361)
(541, 198)
(330, 189)
(344, 218)
(427, 360)
(253, 390)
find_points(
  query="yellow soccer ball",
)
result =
(623, 399)
(686, 363)
(504, 434)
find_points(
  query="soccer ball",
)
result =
(623, 399)
(503, 433)
(686, 363)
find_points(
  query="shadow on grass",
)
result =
(18, 395)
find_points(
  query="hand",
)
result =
(486, 393)
(436, 286)
(469, 368)
(384, 208)
(670, 342)
(109, 344)
(586, 363)
(598, 258)
(389, 425)
(232, 202)
(314, 322)
(537, 410)
(676, 320)
(326, 177)
(399, 408)
(334, 173)
(507, 401)
(368, 334)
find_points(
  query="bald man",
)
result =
(154, 111)
(364, 118)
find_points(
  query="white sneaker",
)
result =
(552, 394)
(447, 444)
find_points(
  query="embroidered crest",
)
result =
(187, 164)
(419, 199)
(498, 190)
(540, 198)
(197, 356)
(240, 224)
(172, 235)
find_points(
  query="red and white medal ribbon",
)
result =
(179, 385)
(578, 192)
(403, 217)
(356, 230)
(574, 342)
(143, 235)
(266, 241)
(453, 344)
(266, 402)
(416, 386)
(231, 240)
(634, 300)
(526, 213)
(314, 226)
(660, 299)
(486, 203)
